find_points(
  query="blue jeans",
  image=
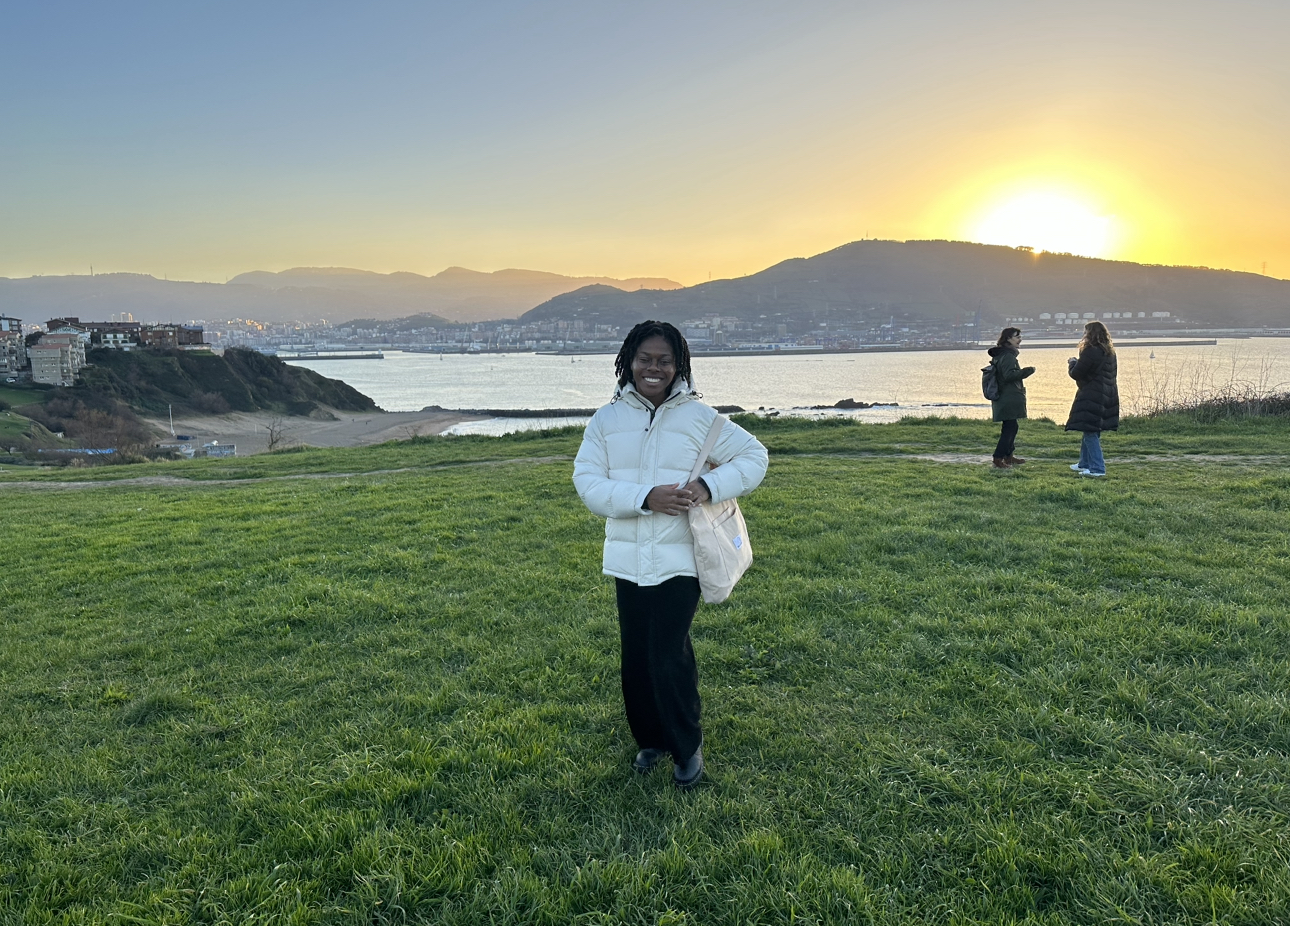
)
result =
(1090, 453)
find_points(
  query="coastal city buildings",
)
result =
(116, 335)
(880, 326)
(171, 337)
(57, 354)
(129, 335)
(13, 350)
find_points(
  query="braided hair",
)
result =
(643, 332)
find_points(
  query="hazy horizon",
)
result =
(434, 273)
(670, 141)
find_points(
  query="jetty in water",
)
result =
(332, 355)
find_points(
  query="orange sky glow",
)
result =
(680, 141)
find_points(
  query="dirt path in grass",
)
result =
(1256, 459)
(971, 459)
(171, 482)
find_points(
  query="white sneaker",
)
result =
(1078, 468)
(1091, 475)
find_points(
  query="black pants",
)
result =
(1007, 440)
(660, 678)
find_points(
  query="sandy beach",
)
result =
(251, 431)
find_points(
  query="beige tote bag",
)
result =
(722, 552)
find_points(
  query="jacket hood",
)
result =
(996, 351)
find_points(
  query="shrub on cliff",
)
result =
(92, 421)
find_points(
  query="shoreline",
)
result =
(894, 349)
(250, 431)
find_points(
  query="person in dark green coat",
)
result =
(1011, 404)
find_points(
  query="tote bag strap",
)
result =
(713, 433)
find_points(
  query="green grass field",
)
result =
(17, 398)
(380, 685)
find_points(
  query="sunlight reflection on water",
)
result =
(923, 383)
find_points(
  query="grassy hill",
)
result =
(102, 409)
(239, 380)
(867, 282)
(20, 433)
(380, 685)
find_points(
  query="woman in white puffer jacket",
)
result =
(636, 455)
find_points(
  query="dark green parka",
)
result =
(1012, 388)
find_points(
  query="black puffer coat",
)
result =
(1097, 400)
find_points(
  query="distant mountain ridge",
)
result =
(863, 280)
(457, 293)
(299, 294)
(945, 280)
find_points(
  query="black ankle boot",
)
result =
(686, 775)
(646, 759)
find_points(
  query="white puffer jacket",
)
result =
(628, 449)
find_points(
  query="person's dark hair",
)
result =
(1005, 334)
(644, 331)
(1096, 335)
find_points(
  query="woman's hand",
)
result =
(673, 500)
(700, 492)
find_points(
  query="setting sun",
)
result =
(1047, 222)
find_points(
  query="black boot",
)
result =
(686, 775)
(646, 759)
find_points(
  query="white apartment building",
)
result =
(51, 363)
(119, 339)
(75, 343)
(57, 358)
(13, 351)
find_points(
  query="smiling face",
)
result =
(654, 369)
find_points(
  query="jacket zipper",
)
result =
(652, 568)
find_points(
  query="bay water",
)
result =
(917, 382)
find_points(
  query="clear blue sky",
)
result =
(200, 140)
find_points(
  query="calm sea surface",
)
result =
(920, 382)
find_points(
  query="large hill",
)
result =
(102, 409)
(945, 280)
(205, 383)
(303, 294)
